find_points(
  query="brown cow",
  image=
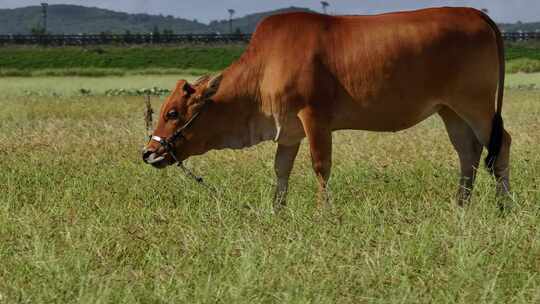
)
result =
(306, 75)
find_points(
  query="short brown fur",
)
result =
(306, 75)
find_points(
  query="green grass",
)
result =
(133, 58)
(523, 65)
(521, 50)
(523, 57)
(120, 61)
(83, 220)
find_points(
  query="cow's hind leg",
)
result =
(469, 150)
(502, 163)
(501, 171)
(489, 129)
(283, 165)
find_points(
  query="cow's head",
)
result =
(183, 123)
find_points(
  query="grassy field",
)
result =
(23, 61)
(58, 86)
(522, 50)
(17, 86)
(83, 220)
(152, 60)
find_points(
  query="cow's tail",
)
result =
(497, 129)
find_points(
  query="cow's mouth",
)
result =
(157, 161)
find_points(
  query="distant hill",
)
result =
(75, 19)
(248, 23)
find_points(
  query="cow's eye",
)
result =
(172, 114)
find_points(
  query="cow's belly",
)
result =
(383, 116)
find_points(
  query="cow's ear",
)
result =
(213, 86)
(188, 89)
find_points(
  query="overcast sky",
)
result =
(206, 10)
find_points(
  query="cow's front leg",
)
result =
(319, 135)
(283, 165)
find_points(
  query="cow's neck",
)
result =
(241, 120)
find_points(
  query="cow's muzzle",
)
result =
(152, 158)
